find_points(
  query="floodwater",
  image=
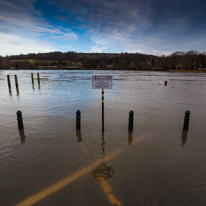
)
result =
(50, 163)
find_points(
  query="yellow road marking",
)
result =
(113, 200)
(63, 183)
(104, 184)
(108, 189)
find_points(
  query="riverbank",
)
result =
(187, 70)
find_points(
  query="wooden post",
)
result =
(32, 78)
(38, 78)
(16, 80)
(9, 83)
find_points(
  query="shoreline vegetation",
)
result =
(191, 61)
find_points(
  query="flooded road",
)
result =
(50, 163)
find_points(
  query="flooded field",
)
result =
(50, 163)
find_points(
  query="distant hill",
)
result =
(116, 61)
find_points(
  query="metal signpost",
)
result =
(102, 82)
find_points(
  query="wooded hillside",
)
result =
(116, 61)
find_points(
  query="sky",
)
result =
(157, 27)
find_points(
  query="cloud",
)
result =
(128, 22)
(98, 49)
(35, 25)
(12, 44)
(21, 20)
(101, 15)
(108, 25)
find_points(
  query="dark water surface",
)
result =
(50, 163)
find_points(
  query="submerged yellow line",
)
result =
(63, 183)
(108, 189)
(104, 184)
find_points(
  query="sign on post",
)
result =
(101, 82)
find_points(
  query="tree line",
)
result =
(117, 61)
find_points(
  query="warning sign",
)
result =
(101, 82)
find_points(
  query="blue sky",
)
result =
(157, 27)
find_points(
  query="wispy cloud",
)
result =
(98, 49)
(12, 44)
(23, 24)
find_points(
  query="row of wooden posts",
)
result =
(16, 80)
(130, 124)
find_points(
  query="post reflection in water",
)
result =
(79, 135)
(184, 137)
(33, 86)
(17, 91)
(10, 92)
(130, 139)
(39, 87)
(102, 171)
(22, 136)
